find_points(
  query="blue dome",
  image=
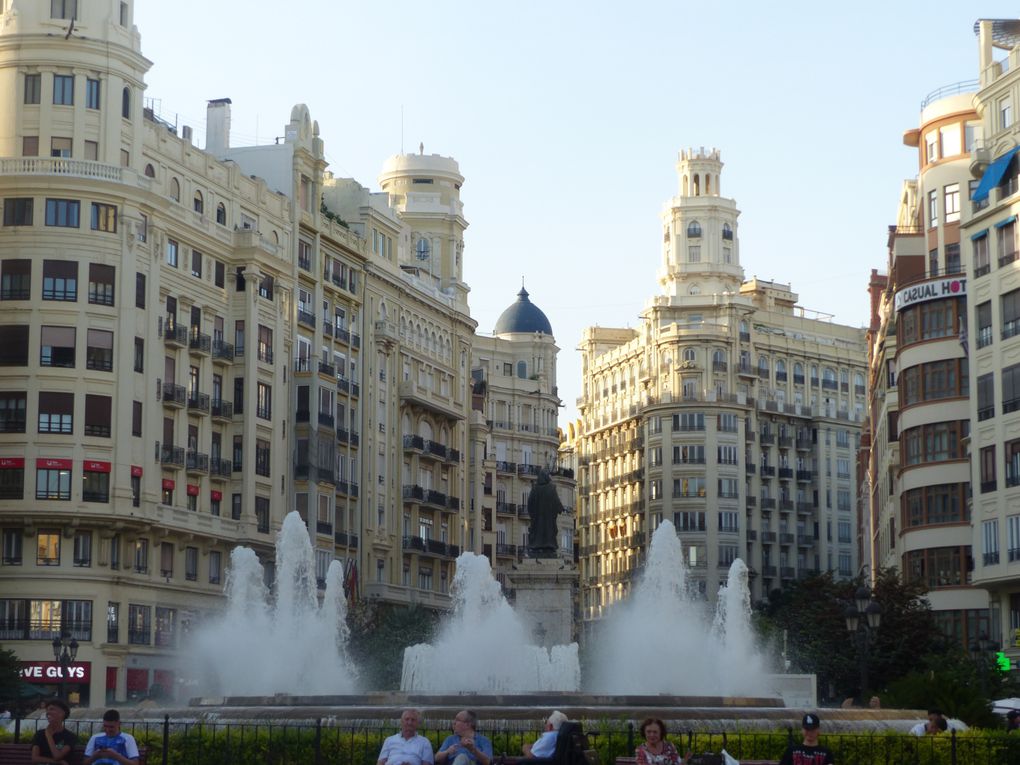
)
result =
(523, 316)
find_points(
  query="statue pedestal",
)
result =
(545, 590)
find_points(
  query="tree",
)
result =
(379, 635)
(11, 683)
(812, 614)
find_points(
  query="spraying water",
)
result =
(660, 640)
(483, 647)
(287, 643)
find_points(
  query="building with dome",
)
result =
(729, 410)
(514, 433)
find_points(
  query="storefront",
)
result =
(47, 677)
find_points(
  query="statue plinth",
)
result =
(545, 590)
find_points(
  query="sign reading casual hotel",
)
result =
(934, 289)
(50, 672)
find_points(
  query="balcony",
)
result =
(171, 456)
(173, 394)
(786, 538)
(786, 572)
(768, 570)
(803, 444)
(767, 437)
(805, 507)
(506, 551)
(415, 443)
(768, 471)
(303, 365)
(436, 449)
(222, 410)
(786, 505)
(327, 420)
(786, 473)
(768, 503)
(419, 395)
(805, 476)
(805, 540)
(199, 343)
(506, 467)
(785, 442)
(327, 329)
(306, 317)
(328, 369)
(768, 536)
(222, 352)
(174, 335)
(198, 402)
(506, 508)
(196, 462)
(220, 469)
(344, 539)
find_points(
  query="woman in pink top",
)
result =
(656, 750)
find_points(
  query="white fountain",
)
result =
(484, 648)
(662, 641)
(281, 643)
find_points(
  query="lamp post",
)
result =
(862, 619)
(65, 649)
(982, 649)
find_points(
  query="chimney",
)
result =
(217, 126)
(186, 133)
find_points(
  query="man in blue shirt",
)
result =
(546, 744)
(111, 747)
(465, 746)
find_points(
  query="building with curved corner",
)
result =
(916, 449)
(729, 410)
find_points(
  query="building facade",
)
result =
(919, 404)
(729, 410)
(988, 233)
(257, 336)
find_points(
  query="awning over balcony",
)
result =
(993, 175)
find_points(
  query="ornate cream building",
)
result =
(729, 410)
(257, 337)
(915, 447)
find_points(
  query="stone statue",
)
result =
(544, 507)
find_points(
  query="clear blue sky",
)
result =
(566, 118)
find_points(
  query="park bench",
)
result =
(21, 754)
(701, 759)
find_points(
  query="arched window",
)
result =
(694, 289)
(150, 171)
(522, 369)
(798, 373)
(743, 327)
(780, 370)
(221, 214)
(199, 202)
(727, 231)
(425, 430)
(175, 190)
(690, 354)
(829, 376)
(125, 103)
(763, 365)
(719, 358)
(697, 185)
(859, 382)
(693, 228)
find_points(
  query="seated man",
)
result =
(406, 747)
(111, 747)
(546, 744)
(465, 746)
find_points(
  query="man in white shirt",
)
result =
(407, 747)
(546, 744)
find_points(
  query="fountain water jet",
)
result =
(483, 646)
(660, 641)
(287, 643)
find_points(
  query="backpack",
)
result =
(572, 746)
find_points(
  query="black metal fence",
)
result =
(331, 741)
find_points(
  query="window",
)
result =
(139, 354)
(171, 252)
(63, 89)
(15, 279)
(56, 412)
(693, 486)
(139, 290)
(693, 229)
(1006, 243)
(191, 563)
(986, 396)
(99, 350)
(219, 275)
(101, 284)
(12, 413)
(266, 288)
(990, 542)
(30, 146)
(691, 454)
(265, 346)
(264, 402)
(932, 505)
(262, 457)
(141, 564)
(18, 211)
(95, 482)
(984, 324)
(1011, 388)
(136, 419)
(262, 514)
(62, 213)
(33, 88)
(14, 345)
(47, 549)
(238, 395)
(694, 253)
(688, 421)
(97, 415)
(221, 214)
(91, 93)
(91, 150)
(60, 280)
(196, 264)
(987, 468)
(215, 566)
(53, 482)
(933, 208)
(63, 9)
(12, 544)
(56, 347)
(1010, 314)
(1005, 112)
(125, 102)
(952, 202)
(239, 338)
(175, 189)
(139, 624)
(104, 217)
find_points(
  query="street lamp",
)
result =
(862, 619)
(65, 649)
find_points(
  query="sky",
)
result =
(567, 117)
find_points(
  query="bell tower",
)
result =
(700, 249)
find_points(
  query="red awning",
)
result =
(193, 490)
(8, 463)
(94, 466)
(216, 495)
(45, 463)
(169, 484)
(136, 471)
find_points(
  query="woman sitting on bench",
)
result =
(656, 750)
